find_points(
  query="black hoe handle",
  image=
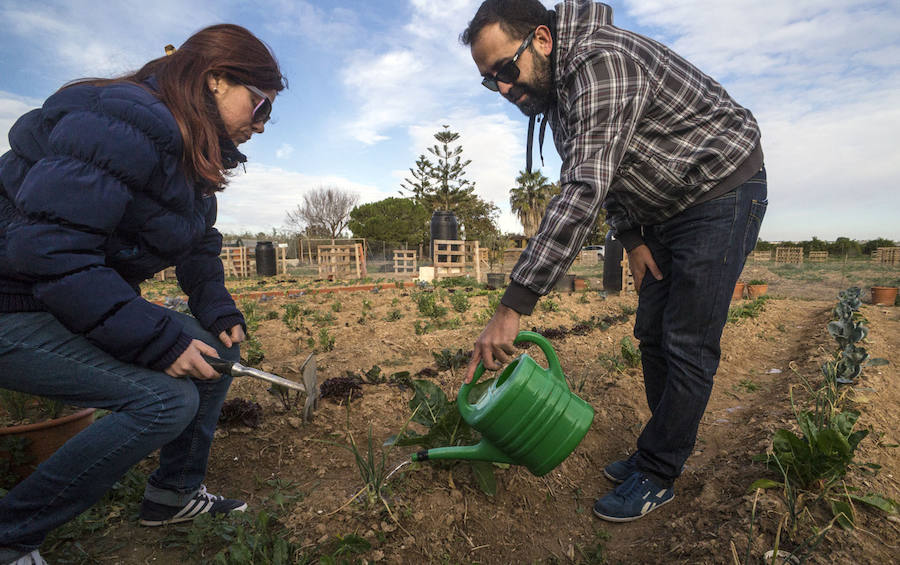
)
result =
(219, 365)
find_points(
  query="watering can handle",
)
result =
(532, 337)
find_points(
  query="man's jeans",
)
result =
(149, 410)
(701, 254)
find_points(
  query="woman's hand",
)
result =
(191, 363)
(232, 336)
(496, 341)
(641, 260)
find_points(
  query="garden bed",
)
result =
(303, 476)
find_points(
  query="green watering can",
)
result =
(528, 416)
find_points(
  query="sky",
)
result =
(371, 81)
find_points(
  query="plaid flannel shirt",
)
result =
(642, 133)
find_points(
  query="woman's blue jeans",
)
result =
(701, 253)
(149, 410)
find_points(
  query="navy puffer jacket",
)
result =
(93, 201)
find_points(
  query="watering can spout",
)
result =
(482, 451)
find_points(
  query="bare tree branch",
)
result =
(325, 209)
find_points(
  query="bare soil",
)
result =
(443, 517)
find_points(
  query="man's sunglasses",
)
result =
(509, 72)
(263, 109)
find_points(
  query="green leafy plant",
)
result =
(15, 403)
(427, 305)
(252, 350)
(848, 330)
(432, 410)
(372, 464)
(459, 301)
(393, 316)
(750, 309)
(449, 360)
(630, 353)
(549, 305)
(291, 316)
(336, 550)
(755, 282)
(818, 460)
(326, 340)
(326, 319)
(337, 306)
(373, 376)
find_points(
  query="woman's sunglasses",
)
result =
(509, 72)
(263, 109)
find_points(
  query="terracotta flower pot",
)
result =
(580, 284)
(756, 290)
(44, 438)
(738, 293)
(884, 295)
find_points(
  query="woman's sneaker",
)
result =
(619, 471)
(632, 499)
(156, 514)
(33, 558)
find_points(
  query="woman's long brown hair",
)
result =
(226, 50)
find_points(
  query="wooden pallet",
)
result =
(453, 257)
(405, 262)
(792, 255)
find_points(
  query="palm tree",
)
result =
(529, 199)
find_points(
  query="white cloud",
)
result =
(11, 109)
(332, 27)
(823, 79)
(284, 151)
(424, 72)
(65, 34)
(260, 199)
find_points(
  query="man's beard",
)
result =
(539, 89)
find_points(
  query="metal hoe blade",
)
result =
(311, 382)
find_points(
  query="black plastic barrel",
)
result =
(612, 264)
(443, 226)
(265, 259)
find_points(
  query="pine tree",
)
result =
(441, 185)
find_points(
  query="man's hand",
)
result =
(495, 344)
(191, 363)
(232, 336)
(641, 260)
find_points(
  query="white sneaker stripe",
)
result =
(201, 508)
(190, 508)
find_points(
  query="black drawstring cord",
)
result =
(530, 142)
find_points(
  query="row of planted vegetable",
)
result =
(816, 466)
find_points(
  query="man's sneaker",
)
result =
(632, 499)
(33, 558)
(618, 471)
(156, 514)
